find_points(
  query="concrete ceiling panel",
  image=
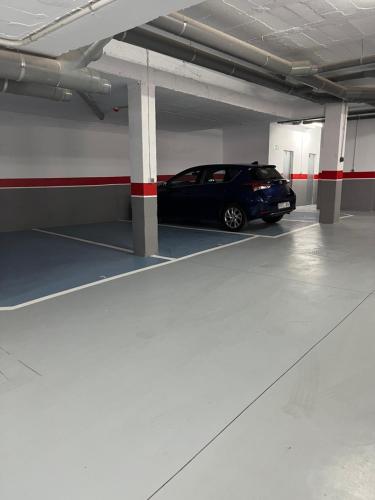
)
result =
(19, 18)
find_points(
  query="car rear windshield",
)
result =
(265, 173)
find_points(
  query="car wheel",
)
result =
(233, 218)
(271, 219)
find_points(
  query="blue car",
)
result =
(229, 194)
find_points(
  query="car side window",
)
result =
(215, 176)
(219, 175)
(187, 178)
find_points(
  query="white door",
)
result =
(288, 164)
(310, 179)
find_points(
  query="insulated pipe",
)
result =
(191, 29)
(35, 90)
(54, 72)
(350, 63)
(154, 39)
(202, 33)
(81, 58)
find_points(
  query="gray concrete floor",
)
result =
(244, 373)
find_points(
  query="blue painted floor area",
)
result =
(307, 213)
(174, 242)
(34, 265)
(258, 228)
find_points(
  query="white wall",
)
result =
(39, 146)
(177, 151)
(360, 146)
(300, 139)
(245, 144)
(33, 146)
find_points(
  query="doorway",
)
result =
(310, 179)
(288, 164)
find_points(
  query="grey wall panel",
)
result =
(358, 194)
(44, 207)
(299, 187)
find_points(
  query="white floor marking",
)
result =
(163, 257)
(118, 276)
(168, 260)
(296, 230)
(190, 228)
(82, 240)
(299, 220)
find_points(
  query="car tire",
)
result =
(271, 219)
(233, 218)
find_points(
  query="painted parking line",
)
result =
(243, 233)
(167, 261)
(96, 243)
(37, 264)
(82, 240)
(209, 230)
(119, 276)
(295, 230)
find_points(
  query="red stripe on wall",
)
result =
(298, 177)
(144, 189)
(63, 182)
(327, 174)
(359, 175)
(164, 178)
(104, 181)
(331, 175)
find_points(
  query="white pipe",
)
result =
(22, 67)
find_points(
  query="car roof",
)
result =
(243, 165)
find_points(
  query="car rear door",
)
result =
(279, 189)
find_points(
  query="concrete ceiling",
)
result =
(180, 112)
(21, 18)
(175, 111)
(317, 30)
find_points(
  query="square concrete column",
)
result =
(332, 162)
(142, 135)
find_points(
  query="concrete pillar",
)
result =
(332, 162)
(142, 135)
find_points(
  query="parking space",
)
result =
(36, 265)
(174, 241)
(41, 263)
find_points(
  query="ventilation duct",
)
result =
(53, 72)
(166, 43)
(196, 31)
(35, 90)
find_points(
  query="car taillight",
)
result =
(258, 186)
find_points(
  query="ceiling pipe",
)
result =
(53, 72)
(35, 90)
(352, 115)
(82, 57)
(191, 29)
(163, 42)
(350, 63)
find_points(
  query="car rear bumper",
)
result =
(264, 208)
